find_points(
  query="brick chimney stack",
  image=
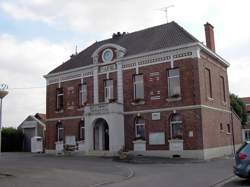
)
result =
(209, 32)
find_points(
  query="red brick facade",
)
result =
(205, 123)
(206, 117)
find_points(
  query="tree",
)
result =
(12, 140)
(239, 108)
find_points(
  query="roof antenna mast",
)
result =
(76, 50)
(165, 9)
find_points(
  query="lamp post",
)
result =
(3, 93)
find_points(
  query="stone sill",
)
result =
(142, 102)
(210, 99)
(139, 141)
(224, 103)
(80, 109)
(175, 141)
(172, 99)
(60, 111)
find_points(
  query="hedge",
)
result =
(12, 140)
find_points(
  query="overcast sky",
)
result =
(38, 35)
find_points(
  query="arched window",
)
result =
(60, 131)
(82, 130)
(176, 127)
(139, 128)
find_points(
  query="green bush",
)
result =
(239, 108)
(12, 140)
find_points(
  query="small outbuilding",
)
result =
(32, 126)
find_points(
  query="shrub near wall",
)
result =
(12, 140)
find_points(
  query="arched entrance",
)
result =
(101, 134)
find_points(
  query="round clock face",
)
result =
(107, 55)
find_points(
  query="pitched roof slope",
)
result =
(150, 39)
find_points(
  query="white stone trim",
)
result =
(131, 62)
(195, 154)
(210, 52)
(50, 151)
(64, 118)
(151, 111)
(108, 45)
(196, 46)
(96, 87)
(176, 108)
(119, 83)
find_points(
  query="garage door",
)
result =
(28, 134)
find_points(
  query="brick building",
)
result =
(246, 128)
(157, 91)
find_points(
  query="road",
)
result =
(23, 169)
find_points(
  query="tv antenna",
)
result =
(165, 9)
(76, 50)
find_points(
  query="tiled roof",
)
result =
(150, 39)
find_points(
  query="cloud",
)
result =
(109, 16)
(23, 63)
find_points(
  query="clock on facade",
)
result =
(107, 55)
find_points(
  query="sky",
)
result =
(38, 35)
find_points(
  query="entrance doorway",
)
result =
(101, 135)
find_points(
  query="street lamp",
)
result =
(3, 93)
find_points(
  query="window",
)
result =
(208, 83)
(176, 127)
(59, 99)
(139, 128)
(248, 117)
(174, 89)
(138, 87)
(223, 88)
(228, 128)
(247, 103)
(247, 134)
(221, 126)
(82, 130)
(108, 90)
(60, 131)
(82, 94)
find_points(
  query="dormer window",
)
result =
(107, 55)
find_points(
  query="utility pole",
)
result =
(3, 93)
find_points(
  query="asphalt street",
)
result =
(26, 170)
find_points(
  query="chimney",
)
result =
(209, 32)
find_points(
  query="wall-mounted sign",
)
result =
(191, 134)
(157, 138)
(156, 116)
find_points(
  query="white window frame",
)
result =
(83, 94)
(137, 82)
(246, 134)
(108, 90)
(228, 128)
(58, 133)
(137, 135)
(171, 127)
(169, 80)
(81, 128)
(59, 94)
